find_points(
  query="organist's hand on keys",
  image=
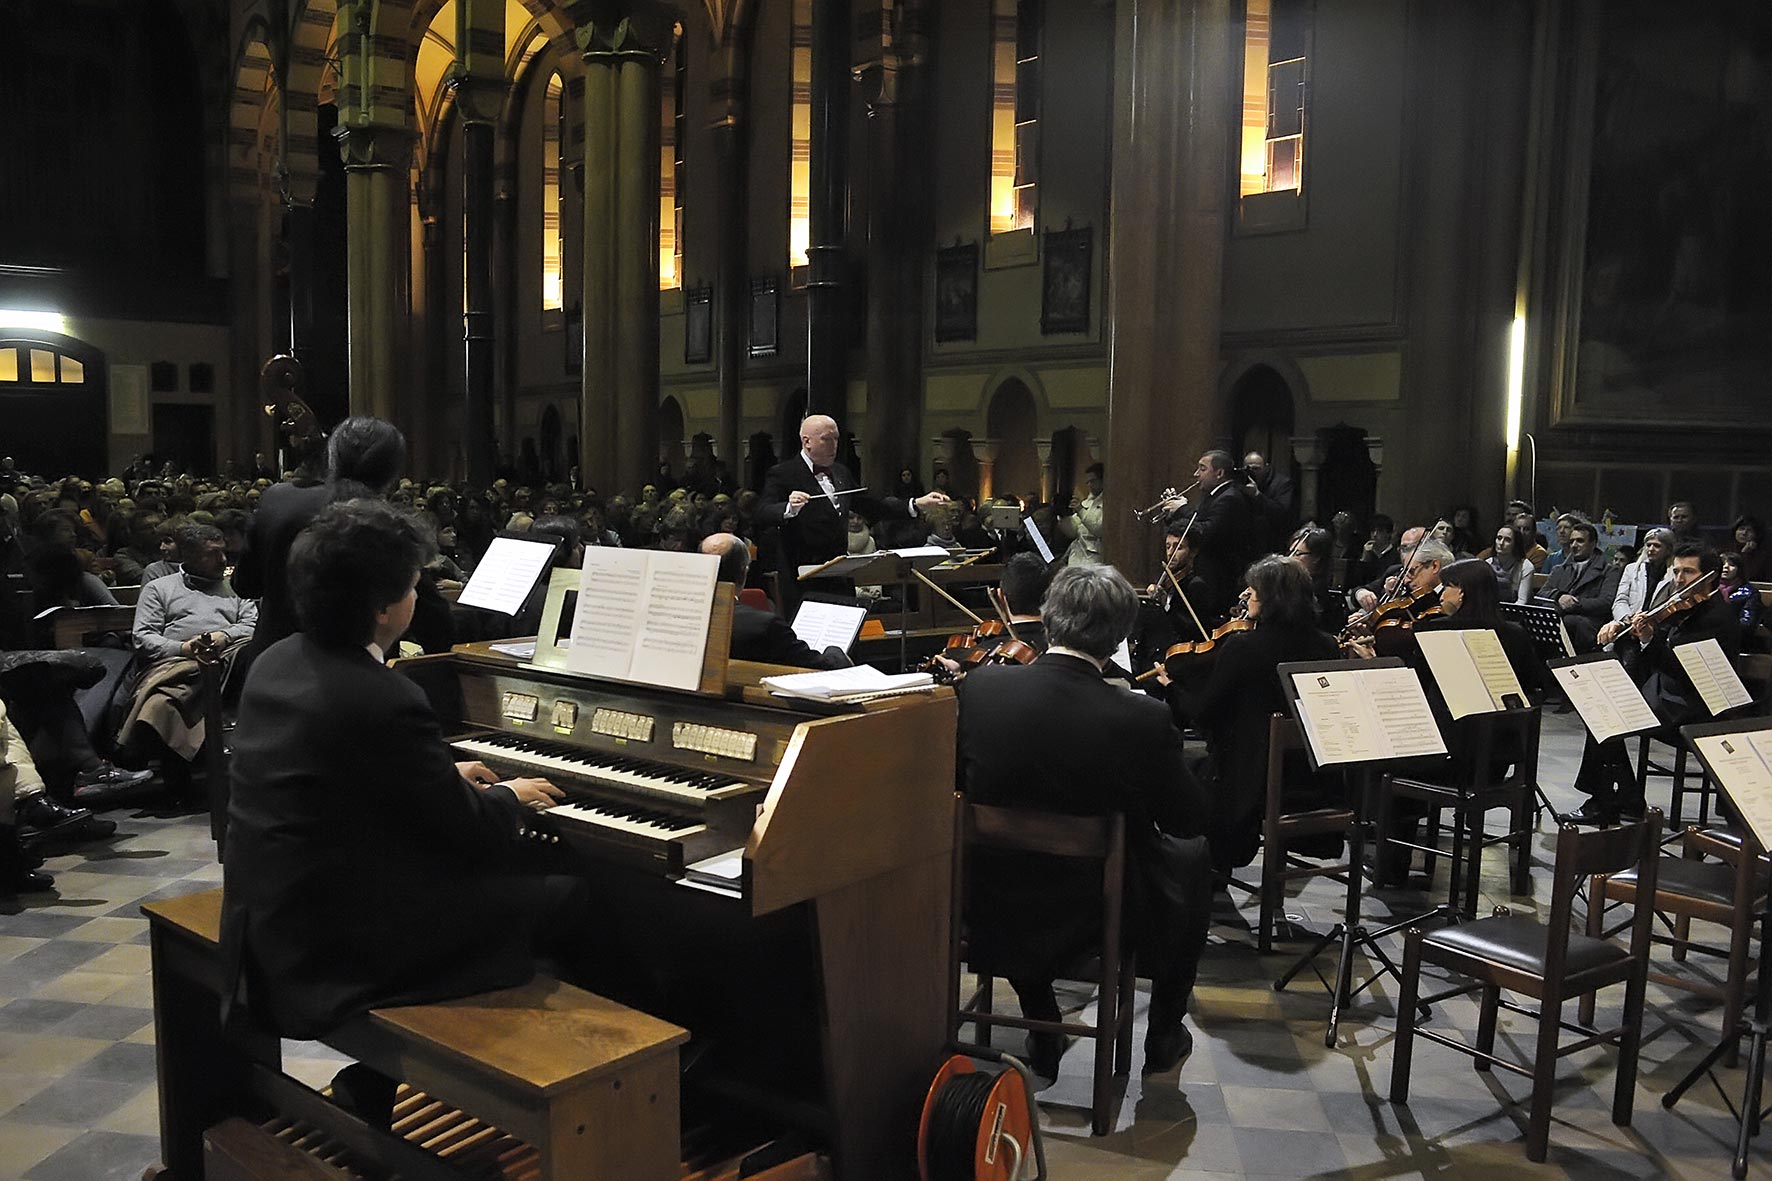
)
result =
(538, 794)
(477, 773)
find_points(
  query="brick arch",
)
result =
(254, 90)
(310, 37)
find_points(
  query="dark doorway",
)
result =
(1348, 479)
(52, 400)
(670, 435)
(553, 453)
(184, 435)
(324, 350)
(1011, 420)
(1262, 417)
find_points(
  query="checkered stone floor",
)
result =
(1261, 1096)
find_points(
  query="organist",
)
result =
(363, 866)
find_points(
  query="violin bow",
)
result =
(995, 594)
(1174, 582)
(930, 583)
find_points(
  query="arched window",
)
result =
(1015, 115)
(553, 143)
(672, 92)
(800, 155)
(23, 364)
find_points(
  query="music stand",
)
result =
(1544, 625)
(1350, 932)
(1758, 1026)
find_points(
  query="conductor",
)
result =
(809, 497)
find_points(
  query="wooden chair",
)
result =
(1470, 795)
(1280, 830)
(1675, 773)
(1549, 964)
(1729, 890)
(1093, 838)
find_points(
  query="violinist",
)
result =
(1470, 598)
(1022, 586)
(1233, 697)
(1416, 597)
(1364, 598)
(1682, 612)
(1163, 615)
(1310, 547)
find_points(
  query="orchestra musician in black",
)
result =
(1684, 611)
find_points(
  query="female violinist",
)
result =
(1234, 697)
(1310, 547)
(1686, 611)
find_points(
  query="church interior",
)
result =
(1408, 266)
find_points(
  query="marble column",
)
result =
(1174, 108)
(619, 391)
(377, 159)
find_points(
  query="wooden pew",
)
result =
(75, 627)
(587, 1084)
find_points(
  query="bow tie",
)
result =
(822, 469)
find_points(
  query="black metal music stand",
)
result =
(1350, 932)
(1758, 1027)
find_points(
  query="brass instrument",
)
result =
(1150, 512)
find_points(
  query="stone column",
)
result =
(1308, 451)
(377, 158)
(477, 103)
(899, 231)
(1043, 448)
(1174, 107)
(732, 145)
(619, 391)
(827, 347)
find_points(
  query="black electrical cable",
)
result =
(954, 1124)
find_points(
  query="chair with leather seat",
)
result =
(1722, 880)
(1469, 792)
(1550, 964)
(1282, 830)
(1091, 838)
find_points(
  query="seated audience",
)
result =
(1582, 587)
(1756, 559)
(1642, 579)
(1511, 567)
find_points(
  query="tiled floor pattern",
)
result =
(1261, 1096)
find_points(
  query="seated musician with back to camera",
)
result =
(1646, 647)
(364, 867)
(1053, 735)
(1233, 693)
(757, 634)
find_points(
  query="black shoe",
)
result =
(42, 819)
(16, 873)
(108, 786)
(366, 1093)
(1166, 1045)
(1592, 812)
(1045, 1051)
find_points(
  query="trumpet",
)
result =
(1150, 512)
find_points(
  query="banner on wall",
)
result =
(129, 399)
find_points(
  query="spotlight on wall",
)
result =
(1516, 380)
(36, 321)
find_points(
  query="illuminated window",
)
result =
(800, 156)
(73, 372)
(1015, 114)
(670, 165)
(42, 367)
(8, 364)
(553, 141)
(1274, 89)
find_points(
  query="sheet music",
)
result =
(828, 625)
(1608, 701)
(1364, 715)
(1039, 540)
(1472, 670)
(506, 575)
(643, 616)
(1743, 765)
(839, 684)
(1713, 676)
(1123, 655)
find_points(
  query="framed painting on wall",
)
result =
(1064, 287)
(698, 325)
(765, 316)
(956, 292)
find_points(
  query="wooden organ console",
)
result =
(811, 983)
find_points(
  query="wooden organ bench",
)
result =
(543, 1080)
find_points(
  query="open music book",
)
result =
(643, 616)
(1609, 702)
(846, 684)
(1713, 676)
(1742, 763)
(1472, 671)
(1366, 715)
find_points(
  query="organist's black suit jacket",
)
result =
(819, 531)
(361, 870)
(1053, 735)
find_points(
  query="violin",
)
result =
(1698, 593)
(1189, 655)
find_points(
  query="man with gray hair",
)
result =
(1053, 736)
